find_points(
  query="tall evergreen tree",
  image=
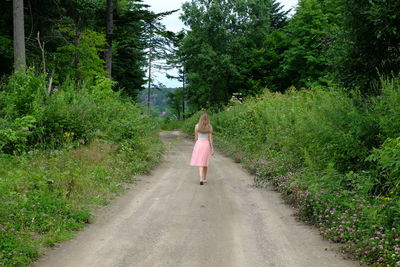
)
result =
(176, 60)
(279, 17)
(129, 49)
(157, 41)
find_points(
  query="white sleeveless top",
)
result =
(202, 136)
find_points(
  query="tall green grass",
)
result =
(333, 154)
(63, 153)
(33, 118)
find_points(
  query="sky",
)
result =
(173, 23)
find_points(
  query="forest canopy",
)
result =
(69, 39)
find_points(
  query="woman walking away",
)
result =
(203, 146)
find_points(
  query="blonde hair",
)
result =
(204, 125)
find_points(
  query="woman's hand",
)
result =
(212, 151)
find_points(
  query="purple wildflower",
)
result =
(264, 162)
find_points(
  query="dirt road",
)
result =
(168, 219)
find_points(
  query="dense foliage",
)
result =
(333, 155)
(70, 137)
(62, 153)
(243, 46)
(217, 50)
(368, 44)
(72, 35)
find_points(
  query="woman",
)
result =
(203, 147)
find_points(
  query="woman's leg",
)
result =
(205, 173)
(201, 173)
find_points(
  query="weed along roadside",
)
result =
(333, 156)
(47, 196)
(69, 154)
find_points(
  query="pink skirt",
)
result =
(201, 153)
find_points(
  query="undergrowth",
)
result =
(62, 154)
(333, 155)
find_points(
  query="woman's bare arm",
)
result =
(211, 142)
(195, 133)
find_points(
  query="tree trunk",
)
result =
(19, 35)
(149, 83)
(77, 58)
(183, 95)
(109, 38)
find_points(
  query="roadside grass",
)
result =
(169, 124)
(47, 195)
(63, 153)
(334, 156)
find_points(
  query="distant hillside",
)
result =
(158, 99)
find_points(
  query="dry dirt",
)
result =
(168, 219)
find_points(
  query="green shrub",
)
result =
(32, 118)
(14, 138)
(387, 159)
(169, 124)
(62, 153)
(333, 155)
(387, 109)
(88, 65)
(46, 195)
(24, 94)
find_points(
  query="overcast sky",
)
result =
(173, 23)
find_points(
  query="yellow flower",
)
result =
(68, 134)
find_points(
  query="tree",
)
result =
(175, 100)
(222, 37)
(264, 65)
(155, 46)
(19, 35)
(312, 32)
(64, 28)
(279, 18)
(176, 60)
(369, 45)
(6, 38)
(129, 44)
(109, 37)
(157, 42)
